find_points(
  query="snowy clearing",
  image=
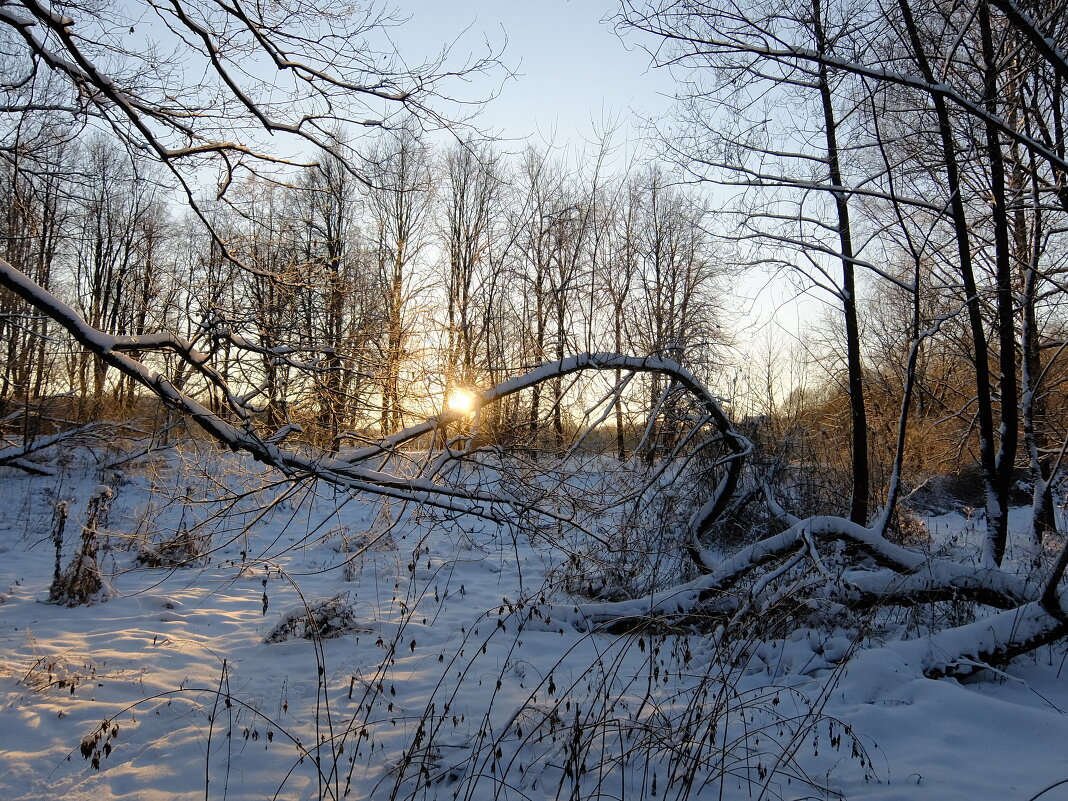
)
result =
(434, 673)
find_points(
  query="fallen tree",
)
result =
(577, 497)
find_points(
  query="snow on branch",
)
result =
(901, 576)
(16, 455)
(350, 470)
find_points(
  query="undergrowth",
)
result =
(81, 582)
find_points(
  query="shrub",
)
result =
(185, 549)
(81, 582)
(332, 617)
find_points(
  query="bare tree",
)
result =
(338, 274)
(36, 207)
(473, 207)
(674, 314)
(264, 309)
(115, 244)
(399, 217)
(261, 70)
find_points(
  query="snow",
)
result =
(443, 675)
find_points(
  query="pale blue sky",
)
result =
(575, 74)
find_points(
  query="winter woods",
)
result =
(333, 270)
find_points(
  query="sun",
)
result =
(462, 401)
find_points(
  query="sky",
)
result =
(574, 76)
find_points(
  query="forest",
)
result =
(319, 402)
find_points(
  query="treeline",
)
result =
(905, 160)
(912, 152)
(346, 307)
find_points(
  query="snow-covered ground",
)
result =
(195, 681)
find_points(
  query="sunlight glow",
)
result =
(462, 401)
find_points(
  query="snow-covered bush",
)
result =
(324, 619)
(81, 582)
(184, 549)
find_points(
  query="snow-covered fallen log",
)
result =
(898, 576)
